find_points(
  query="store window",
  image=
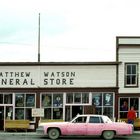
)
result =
(131, 74)
(103, 103)
(77, 98)
(6, 98)
(53, 105)
(125, 104)
(23, 106)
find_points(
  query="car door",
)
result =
(95, 125)
(78, 126)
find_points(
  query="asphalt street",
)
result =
(38, 137)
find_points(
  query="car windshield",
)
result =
(106, 119)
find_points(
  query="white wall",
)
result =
(128, 55)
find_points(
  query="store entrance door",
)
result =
(72, 111)
(77, 110)
(1, 117)
(6, 112)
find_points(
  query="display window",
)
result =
(58, 100)
(77, 98)
(108, 99)
(97, 99)
(6, 98)
(19, 113)
(53, 105)
(46, 100)
(85, 98)
(125, 103)
(23, 106)
(30, 100)
(47, 113)
(103, 103)
(69, 98)
(19, 100)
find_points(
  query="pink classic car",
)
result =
(87, 125)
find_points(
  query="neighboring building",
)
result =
(128, 53)
(64, 89)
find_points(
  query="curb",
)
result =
(19, 134)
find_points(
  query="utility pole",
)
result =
(39, 38)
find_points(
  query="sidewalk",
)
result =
(33, 134)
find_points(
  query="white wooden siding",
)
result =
(128, 55)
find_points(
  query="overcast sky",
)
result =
(71, 30)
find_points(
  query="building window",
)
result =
(53, 105)
(103, 103)
(23, 106)
(6, 98)
(125, 104)
(131, 75)
(77, 98)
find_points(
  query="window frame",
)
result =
(53, 108)
(126, 85)
(100, 107)
(82, 101)
(129, 100)
(24, 107)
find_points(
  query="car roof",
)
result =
(86, 115)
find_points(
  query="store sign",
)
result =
(16, 78)
(59, 78)
(37, 112)
(56, 76)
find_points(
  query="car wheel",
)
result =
(108, 135)
(53, 133)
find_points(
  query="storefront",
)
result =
(62, 90)
(125, 103)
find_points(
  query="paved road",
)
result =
(24, 137)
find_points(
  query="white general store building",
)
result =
(63, 89)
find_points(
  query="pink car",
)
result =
(88, 125)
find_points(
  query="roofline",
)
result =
(56, 63)
(119, 45)
(127, 44)
(127, 36)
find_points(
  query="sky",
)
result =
(70, 30)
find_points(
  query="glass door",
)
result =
(72, 111)
(6, 112)
(76, 110)
(9, 112)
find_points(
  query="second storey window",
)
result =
(131, 74)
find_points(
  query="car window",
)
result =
(95, 120)
(80, 120)
(106, 119)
